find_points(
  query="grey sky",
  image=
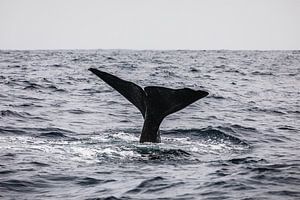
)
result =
(150, 24)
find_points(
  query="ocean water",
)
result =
(65, 134)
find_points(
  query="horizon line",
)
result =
(138, 49)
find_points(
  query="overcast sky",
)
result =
(150, 24)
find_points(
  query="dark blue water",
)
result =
(65, 134)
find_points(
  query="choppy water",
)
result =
(65, 134)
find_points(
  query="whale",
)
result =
(154, 102)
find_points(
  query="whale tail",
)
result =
(165, 101)
(132, 92)
(155, 103)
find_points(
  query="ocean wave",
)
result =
(215, 96)
(153, 185)
(22, 185)
(39, 132)
(39, 164)
(52, 134)
(208, 134)
(20, 116)
(109, 198)
(10, 113)
(261, 73)
(88, 181)
(245, 160)
(55, 129)
(4, 172)
(275, 111)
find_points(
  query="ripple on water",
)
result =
(248, 149)
(22, 185)
(88, 181)
(50, 132)
(153, 185)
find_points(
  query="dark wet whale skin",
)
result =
(155, 103)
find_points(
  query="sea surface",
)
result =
(65, 134)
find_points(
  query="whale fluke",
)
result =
(165, 101)
(132, 92)
(155, 103)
